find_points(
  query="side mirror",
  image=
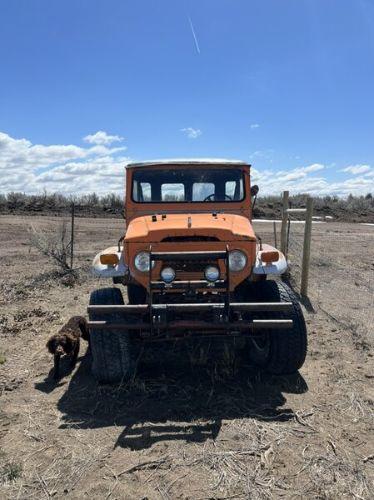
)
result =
(254, 190)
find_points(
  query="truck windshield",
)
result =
(187, 185)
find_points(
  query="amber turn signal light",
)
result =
(109, 259)
(269, 257)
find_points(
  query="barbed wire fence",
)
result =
(295, 243)
(294, 252)
(304, 266)
(324, 266)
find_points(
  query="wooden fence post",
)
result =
(306, 247)
(284, 223)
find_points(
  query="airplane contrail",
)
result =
(194, 36)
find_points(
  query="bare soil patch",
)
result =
(190, 425)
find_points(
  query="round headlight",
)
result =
(168, 274)
(211, 273)
(237, 260)
(142, 262)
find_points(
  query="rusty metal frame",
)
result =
(158, 320)
(136, 319)
(189, 327)
(235, 306)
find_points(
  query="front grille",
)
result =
(190, 266)
(174, 239)
(191, 270)
(189, 276)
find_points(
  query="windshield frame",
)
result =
(190, 202)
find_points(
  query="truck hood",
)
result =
(223, 227)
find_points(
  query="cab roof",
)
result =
(189, 161)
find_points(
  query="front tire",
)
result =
(111, 350)
(136, 294)
(279, 352)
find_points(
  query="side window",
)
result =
(230, 189)
(234, 189)
(145, 191)
(135, 191)
(172, 192)
(201, 190)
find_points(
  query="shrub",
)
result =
(53, 244)
(349, 208)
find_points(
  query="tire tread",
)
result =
(288, 348)
(111, 353)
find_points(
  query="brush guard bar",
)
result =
(136, 318)
(202, 256)
(155, 320)
(162, 324)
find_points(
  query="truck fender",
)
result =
(275, 268)
(107, 271)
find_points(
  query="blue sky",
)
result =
(286, 84)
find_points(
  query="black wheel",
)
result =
(279, 352)
(111, 350)
(136, 294)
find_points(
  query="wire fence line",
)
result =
(295, 248)
(340, 287)
(294, 251)
(322, 263)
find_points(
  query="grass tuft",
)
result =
(11, 471)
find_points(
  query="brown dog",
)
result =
(67, 340)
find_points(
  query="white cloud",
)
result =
(266, 154)
(192, 133)
(72, 169)
(370, 173)
(253, 126)
(23, 155)
(357, 169)
(298, 173)
(102, 138)
(294, 175)
(31, 167)
(313, 168)
(302, 180)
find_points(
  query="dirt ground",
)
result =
(184, 429)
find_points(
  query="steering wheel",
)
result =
(210, 197)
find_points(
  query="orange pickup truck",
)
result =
(193, 267)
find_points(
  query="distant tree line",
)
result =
(56, 203)
(352, 208)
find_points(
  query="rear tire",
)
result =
(111, 350)
(278, 352)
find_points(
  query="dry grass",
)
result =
(232, 440)
(194, 423)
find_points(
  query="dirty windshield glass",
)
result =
(187, 185)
